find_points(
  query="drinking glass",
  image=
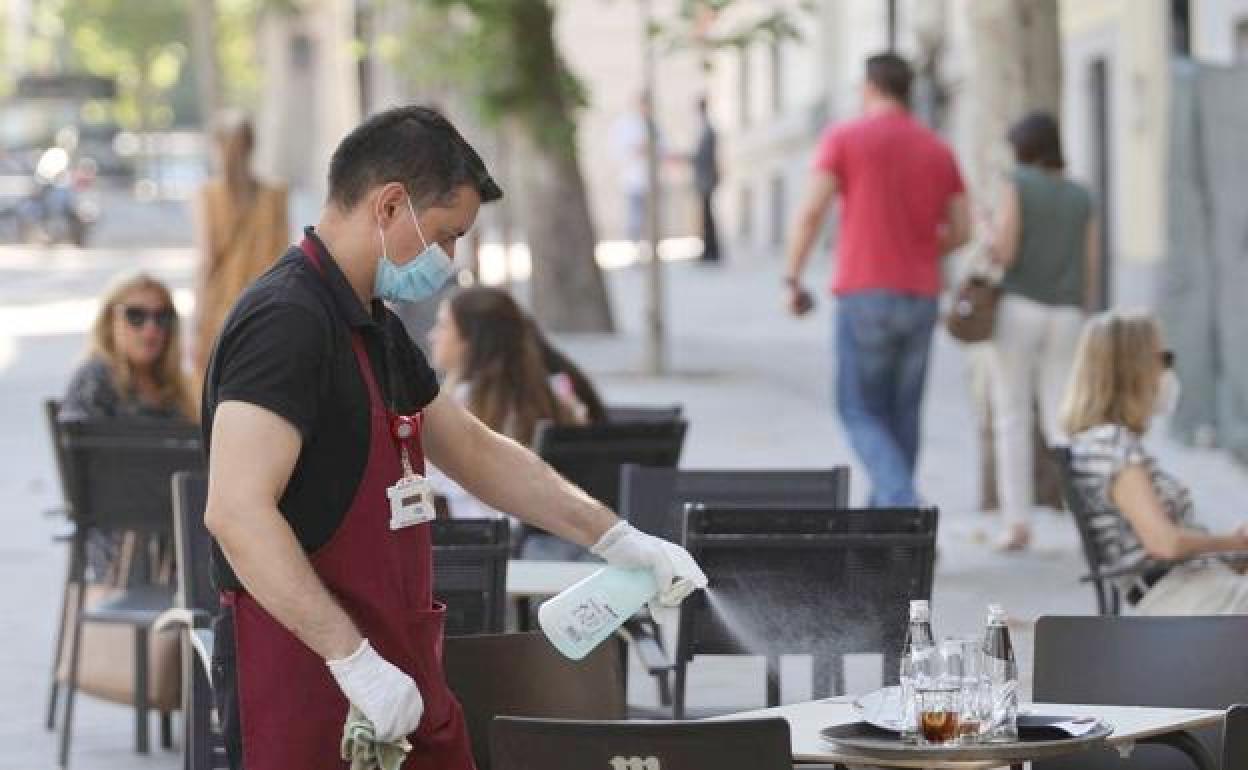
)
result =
(938, 714)
(974, 690)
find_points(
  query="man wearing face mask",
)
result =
(318, 412)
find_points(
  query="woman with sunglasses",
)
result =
(1122, 378)
(133, 365)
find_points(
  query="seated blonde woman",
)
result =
(1121, 379)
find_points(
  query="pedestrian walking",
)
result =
(240, 228)
(705, 163)
(318, 412)
(629, 137)
(903, 207)
(1045, 239)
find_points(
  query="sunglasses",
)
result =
(1167, 359)
(136, 316)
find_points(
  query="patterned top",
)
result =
(92, 393)
(1098, 454)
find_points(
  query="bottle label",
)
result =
(588, 618)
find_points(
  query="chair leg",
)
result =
(71, 683)
(54, 685)
(678, 693)
(140, 690)
(166, 730)
(773, 681)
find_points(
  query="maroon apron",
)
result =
(291, 710)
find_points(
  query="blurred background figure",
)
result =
(628, 142)
(134, 364)
(1045, 238)
(241, 228)
(492, 362)
(705, 163)
(1122, 379)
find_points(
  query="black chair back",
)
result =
(119, 471)
(548, 744)
(806, 579)
(51, 413)
(1177, 662)
(193, 543)
(654, 499)
(631, 413)
(591, 456)
(1094, 534)
(470, 573)
(1235, 739)
(523, 675)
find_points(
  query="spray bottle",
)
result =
(578, 619)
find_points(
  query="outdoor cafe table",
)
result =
(529, 579)
(1131, 724)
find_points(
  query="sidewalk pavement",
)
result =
(754, 384)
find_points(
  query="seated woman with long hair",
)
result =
(133, 366)
(1121, 379)
(133, 369)
(492, 362)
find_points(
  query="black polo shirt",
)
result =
(286, 346)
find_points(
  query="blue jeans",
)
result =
(882, 345)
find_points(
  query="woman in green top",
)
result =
(1045, 239)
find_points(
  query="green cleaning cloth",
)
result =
(361, 748)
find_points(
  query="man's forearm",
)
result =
(511, 478)
(270, 563)
(799, 249)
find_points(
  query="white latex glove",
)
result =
(386, 695)
(675, 571)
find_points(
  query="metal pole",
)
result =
(655, 353)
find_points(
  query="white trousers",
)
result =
(1197, 589)
(1030, 358)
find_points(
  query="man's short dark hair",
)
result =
(891, 75)
(414, 146)
(1037, 141)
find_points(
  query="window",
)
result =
(743, 86)
(1181, 27)
(777, 77)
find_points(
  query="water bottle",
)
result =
(920, 645)
(578, 619)
(1002, 671)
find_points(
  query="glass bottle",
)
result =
(916, 655)
(1002, 672)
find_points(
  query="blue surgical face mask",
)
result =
(420, 278)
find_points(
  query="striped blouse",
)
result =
(1098, 454)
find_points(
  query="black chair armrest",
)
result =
(643, 633)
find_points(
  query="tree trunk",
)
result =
(569, 294)
(568, 290)
(1015, 67)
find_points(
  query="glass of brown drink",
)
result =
(938, 714)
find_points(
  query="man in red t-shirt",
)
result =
(903, 207)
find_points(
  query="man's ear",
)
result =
(386, 202)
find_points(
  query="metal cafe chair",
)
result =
(470, 573)
(1176, 662)
(118, 480)
(810, 580)
(654, 499)
(1098, 537)
(554, 744)
(638, 413)
(523, 675)
(197, 602)
(1235, 738)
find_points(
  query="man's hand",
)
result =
(799, 301)
(384, 694)
(675, 571)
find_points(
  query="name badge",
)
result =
(411, 502)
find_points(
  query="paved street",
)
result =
(754, 384)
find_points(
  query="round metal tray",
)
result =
(871, 742)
